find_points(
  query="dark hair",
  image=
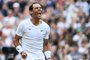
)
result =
(31, 6)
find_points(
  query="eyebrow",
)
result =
(37, 7)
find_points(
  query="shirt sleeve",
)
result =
(47, 33)
(19, 30)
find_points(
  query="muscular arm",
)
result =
(16, 43)
(16, 40)
(46, 49)
(46, 45)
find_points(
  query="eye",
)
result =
(38, 8)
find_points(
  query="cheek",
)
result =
(34, 12)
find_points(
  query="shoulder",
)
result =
(45, 24)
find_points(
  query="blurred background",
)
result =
(69, 21)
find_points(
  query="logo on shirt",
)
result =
(29, 29)
(42, 30)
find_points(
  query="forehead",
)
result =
(36, 5)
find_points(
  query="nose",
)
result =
(39, 9)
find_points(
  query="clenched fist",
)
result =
(23, 54)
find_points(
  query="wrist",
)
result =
(19, 49)
(48, 54)
(49, 58)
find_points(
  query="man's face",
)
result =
(37, 10)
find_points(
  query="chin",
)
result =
(39, 17)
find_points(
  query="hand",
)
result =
(23, 54)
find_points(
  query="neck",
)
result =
(35, 21)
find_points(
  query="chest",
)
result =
(35, 32)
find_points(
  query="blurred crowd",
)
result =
(69, 21)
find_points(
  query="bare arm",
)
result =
(46, 45)
(46, 49)
(16, 40)
(16, 43)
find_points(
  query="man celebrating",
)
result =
(33, 34)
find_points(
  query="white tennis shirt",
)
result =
(33, 36)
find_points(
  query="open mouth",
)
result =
(39, 13)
